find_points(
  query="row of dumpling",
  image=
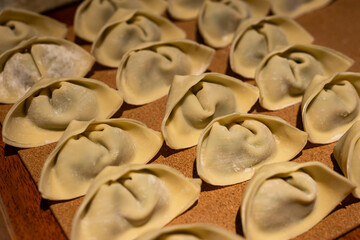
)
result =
(136, 201)
(281, 201)
(115, 28)
(218, 20)
(189, 9)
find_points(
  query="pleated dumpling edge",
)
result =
(330, 106)
(127, 29)
(284, 200)
(233, 146)
(41, 116)
(134, 199)
(145, 73)
(41, 57)
(194, 100)
(86, 148)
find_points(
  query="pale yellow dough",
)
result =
(191, 231)
(126, 29)
(284, 200)
(347, 152)
(43, 113)
(284, 74)
(331, 106)
(127, 201)
(86, 148)
(17, 26)
(295, 8)
(146, 72)
(195, 100)
(218, 20)
(92, 15)
(184, 9)
(234, 146)
(42, 57)
(257, 37)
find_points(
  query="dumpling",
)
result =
(347, 152)
(41, 116)
(296, 8)
(146, 72)
(192, 231)
(284, 75)
(331, 106)
(195, 100)
(124, 202)
(232, 147)
(258, 37)
(126, 29)
(284, 200)
(43, 57)
(184, 9)
(18, 25)
(86, 148)
(91, 15)
(219, 19)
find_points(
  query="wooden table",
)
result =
(31, 217)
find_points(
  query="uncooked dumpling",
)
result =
(195, 100)
(331, 106)
(88, 147)
(92, 15)
(18, 25)
(43, 113)
(284, 200)
(126, 29)
(127, 201)
(191, 231)
(284, 74)
(43, 57)
(184, 9)
(146, 72)
(295, 8)
(218, 20)
(347, 152)
(232, 147)
(257, 37)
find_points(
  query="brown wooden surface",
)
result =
(31, 217)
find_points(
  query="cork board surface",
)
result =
(335, 26)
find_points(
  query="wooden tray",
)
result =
(335, 26)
